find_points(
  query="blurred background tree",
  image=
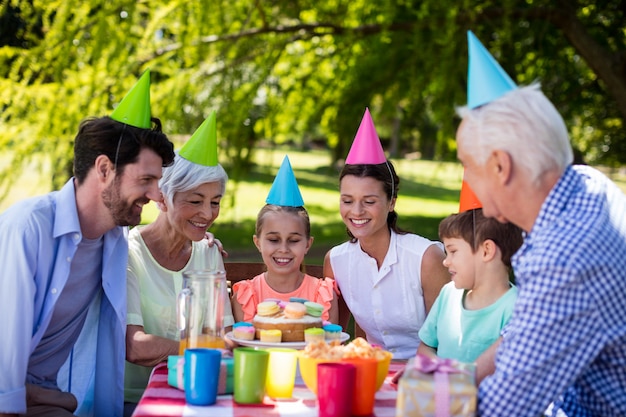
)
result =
(301, 72)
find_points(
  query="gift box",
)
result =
(176, 367)
(434, 387)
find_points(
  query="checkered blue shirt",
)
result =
(566, 340)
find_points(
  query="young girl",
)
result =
(283, 236)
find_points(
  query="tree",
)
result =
(302, 72)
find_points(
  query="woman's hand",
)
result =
(211, 240)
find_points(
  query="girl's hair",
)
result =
(473, 227)
(386, 174)
(185, 175)
(273, 208)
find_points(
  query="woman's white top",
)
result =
(387, 303)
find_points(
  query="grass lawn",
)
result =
(429, 191)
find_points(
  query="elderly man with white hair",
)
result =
(566, 342)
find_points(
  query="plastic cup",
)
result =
(250, 371)
(281, 372)
(364, 386)
(202, 374)
(335, 389)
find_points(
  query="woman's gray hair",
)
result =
(523, 123)
(184, 175)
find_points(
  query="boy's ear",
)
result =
(489, 250)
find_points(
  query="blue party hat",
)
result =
(285, 191)
(486, 80)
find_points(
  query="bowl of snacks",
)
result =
(322, 352)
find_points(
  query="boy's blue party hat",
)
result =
(285, 191)
(486, 80)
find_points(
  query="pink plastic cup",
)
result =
(335, 389)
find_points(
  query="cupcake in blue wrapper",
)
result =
(332, 332)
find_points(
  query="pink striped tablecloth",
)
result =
(160, 399)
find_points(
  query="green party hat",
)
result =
(285, 191)
(134, 109)
(201, 148)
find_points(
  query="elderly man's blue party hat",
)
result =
(134, 109)
(201, 148)
(486, 80)
(285, 191)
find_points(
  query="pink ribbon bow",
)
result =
(440, 368)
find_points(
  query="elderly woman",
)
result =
(160, 252)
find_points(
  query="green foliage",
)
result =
(301, 73)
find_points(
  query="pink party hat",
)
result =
(285, 191)
(366, 148)
(486, 80)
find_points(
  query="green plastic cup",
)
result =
(250, 371)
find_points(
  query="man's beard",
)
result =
(122, 212)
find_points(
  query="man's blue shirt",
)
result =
(38, 239)
(566, 341)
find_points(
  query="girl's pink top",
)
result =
(251, 292)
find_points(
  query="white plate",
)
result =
(294, 345)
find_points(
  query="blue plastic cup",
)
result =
(202, 375)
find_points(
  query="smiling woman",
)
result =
(381, 265)
(161, 251)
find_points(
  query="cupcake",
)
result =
(271, 336)
(243, 331)
(332, 331)
(314, 334)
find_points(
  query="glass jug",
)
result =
(200, 309)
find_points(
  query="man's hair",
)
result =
(474, 228)
(184, 175)
(385, 173)
(121, 143)
(524, 123)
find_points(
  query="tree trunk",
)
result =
(610, 68)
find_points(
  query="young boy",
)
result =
(471, 310)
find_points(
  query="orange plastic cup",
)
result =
(364, 386)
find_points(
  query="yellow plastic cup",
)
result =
(281, 372)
